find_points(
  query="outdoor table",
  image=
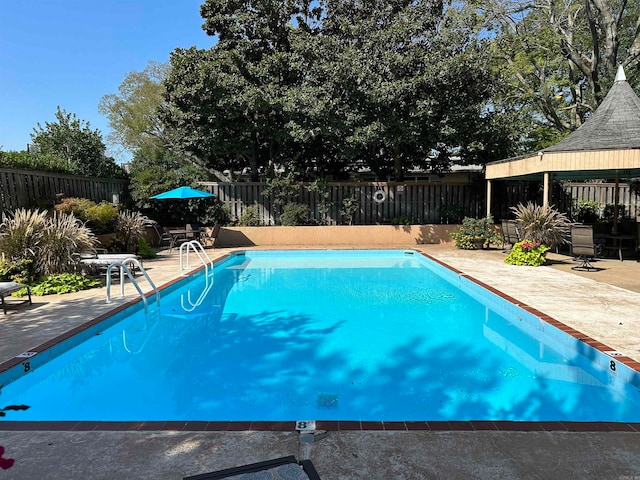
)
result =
(616, 241)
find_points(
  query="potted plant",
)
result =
(475, 233)
(527, 252)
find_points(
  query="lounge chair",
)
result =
(7, 288)
(583, 248)
(285, 467)
(510, 234)
(101, 261)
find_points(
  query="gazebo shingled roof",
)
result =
(614, 125)
(606, 146)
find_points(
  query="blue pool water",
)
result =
(326, 335)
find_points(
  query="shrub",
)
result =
(401, 220)
(475, 233)
(100, 217)
(451, 214)
(350, 206)
(608, 213)
(586, 211)
(144, 250)
(20, 233)
(20, 270)
(527, 252)
(294, 214)
(250, 217)
(62, 236)
(48, 242)
(542, 224)
(129, 229)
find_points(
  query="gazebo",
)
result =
(606, 146)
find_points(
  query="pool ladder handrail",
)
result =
(124, 269)
(195, 244)
(198, 302)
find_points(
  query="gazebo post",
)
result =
(616, 203)
(546, 191)
(488, 198)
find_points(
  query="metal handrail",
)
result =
(198, 302)
(124, 269)
(195, 245)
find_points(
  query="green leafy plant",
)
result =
(451, 214)
(542, 224)
(62, 283)
(20, 270)
(527, 252)
(350, 206)
(401, 220)
(282, 189)
(475, 233)
(100, 217)
(608, 214)
(250, 216)
(321, 187)
(586, 211)
(294, 214)
(144, 250)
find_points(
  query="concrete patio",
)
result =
(602, 304)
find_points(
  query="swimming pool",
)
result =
(325, 335)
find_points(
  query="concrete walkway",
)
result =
(594, 303)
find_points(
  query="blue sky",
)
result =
(69, 53)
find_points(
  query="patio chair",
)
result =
(7, 288)
(208, 236)
(285, 467)
(510, 234)
(583, 248)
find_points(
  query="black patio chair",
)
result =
(583, 248)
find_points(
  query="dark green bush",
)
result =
(294, 214)
(475, 233)
(250, 217)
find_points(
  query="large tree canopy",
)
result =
(382, 84)
(133, 112)
(559, 58)
(74, 140)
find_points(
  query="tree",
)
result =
(134, 112)
(73, 140)
(323, 90)
(409, 82)
(227, 102)
(558, 59)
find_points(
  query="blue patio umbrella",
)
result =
(182, 192)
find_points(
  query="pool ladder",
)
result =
(125, 269)
(198, 249)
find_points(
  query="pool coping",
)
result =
(330, 425)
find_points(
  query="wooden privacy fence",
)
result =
(378, 203)
(419, 203)
(603, 194)
(37, 189)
